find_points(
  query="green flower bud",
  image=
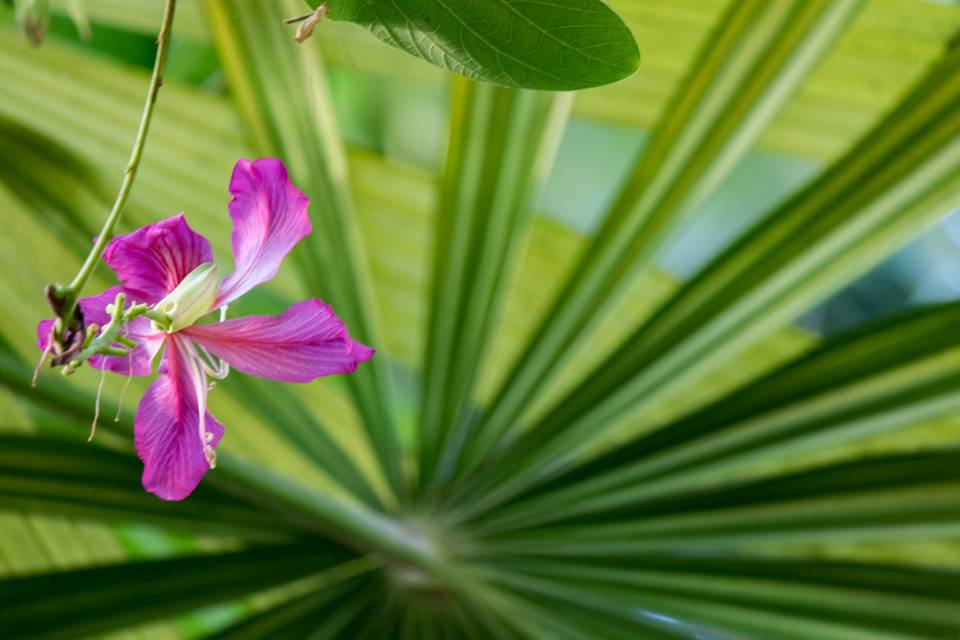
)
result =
(192, 299)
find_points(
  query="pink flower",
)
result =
(170, 267)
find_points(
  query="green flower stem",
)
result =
(71, 293)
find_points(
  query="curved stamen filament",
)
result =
(199, 377)
(217, 371)
(126, 385)
(96, 406)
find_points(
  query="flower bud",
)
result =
(192, 299)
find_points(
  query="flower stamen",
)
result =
(126, 385)
(200, 387)
(96, 405)
(43, 359)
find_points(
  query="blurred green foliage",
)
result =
(698, 459)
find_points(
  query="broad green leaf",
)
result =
(900, 178)
(88, 601)
(282, 96)
(753, 61)
(560, 46)
(502, 143)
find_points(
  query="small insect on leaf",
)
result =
(308, 22)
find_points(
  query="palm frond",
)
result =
(556, 439)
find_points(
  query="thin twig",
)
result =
(71, 293)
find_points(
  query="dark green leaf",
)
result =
(75, 478)
(559, 45)
(76, 603)
(299, 617)
(877, 378)
(894, 497)
(918, 603)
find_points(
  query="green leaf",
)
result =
(559, 46)
(76, 603)
(333, 607)
(755, 58)
(502, 144)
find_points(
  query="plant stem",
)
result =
(71, 293)
(353, 524)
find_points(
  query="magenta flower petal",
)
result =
(307, 341)
(269, 218)
(167, 426)
(151, 261)
(141, 331)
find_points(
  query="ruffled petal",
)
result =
(307, 341)
(151, 261)
(141, 331)
(269, 218)
(167, 430)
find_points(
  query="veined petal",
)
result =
(141, 331)
(269, 218)
(168, 433)
(151, 261)
(307, 341)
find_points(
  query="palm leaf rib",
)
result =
(881, 377)
(740, 596)
(287, 109)
(51, 476)
(333, 607)
(754, 59)
(886, 498)
(502, 143)
(902, 176)
(98, 599)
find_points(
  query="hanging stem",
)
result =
(68, 295)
